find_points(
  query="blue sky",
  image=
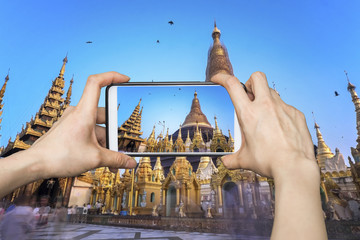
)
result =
(172, 104)
(303, 46)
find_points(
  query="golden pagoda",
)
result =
(198, 144)
(51, 109)
(219, 142)
(151, 142)
(130, 131)
(323, 151)
(181, 189)
(179, 143)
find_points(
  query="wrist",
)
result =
(302, 171)
(33, 168)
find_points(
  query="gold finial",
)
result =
(217, 130)
(2, 91)
(62, 70)
(347, 77)
(69, 92)
(141, 110)
(179, 133)
(323, 151)
(216, 32)
(350, 86)
(152, 135)
(315, 124)
(195, 94)
(167, 134)
(7, 76)
(231, 140)
(139, 102)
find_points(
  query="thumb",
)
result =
(232, 161)
(114, 159)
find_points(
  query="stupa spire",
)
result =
(323, 151)
(69, 92)
(218, 58)
(62, 70)
(2, 93)
(356, 101)
(158, 170)
(196, 116)
(217, 130)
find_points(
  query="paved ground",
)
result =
(87, 231)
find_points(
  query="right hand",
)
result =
(275, 136)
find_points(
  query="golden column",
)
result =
(220, 196)
(240, 194)
(131, 191)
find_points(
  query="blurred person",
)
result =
(19, 222)
(275, 143)
(84, 214)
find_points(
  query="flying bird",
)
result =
(89, 42)
(171, 22)
(336, 94)
(157, 41)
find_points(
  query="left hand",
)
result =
(75, 144)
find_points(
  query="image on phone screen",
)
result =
(173, 119)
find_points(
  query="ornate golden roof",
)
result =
(196, 116)
(218, 58)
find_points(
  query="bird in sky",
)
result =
(157, 41)
(171, 22)
(336, 94)
(89, 42)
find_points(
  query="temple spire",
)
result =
(158, 170)
(62, 70)
(217, 130)
(323, 151)
(2, 93)
(356, 101)
(179, 133)
(218, 58)
(231, 140)
(69, 92)
(196, 116)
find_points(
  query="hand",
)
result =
(75, 144)
(275, 136)
(276, 143)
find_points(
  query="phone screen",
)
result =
(182, 120)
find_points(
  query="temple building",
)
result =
(194, 186)
(51, 109)
(183, 186)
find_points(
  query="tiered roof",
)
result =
(51, 109)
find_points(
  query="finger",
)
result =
(100, 133)
(114, 159)
(90, 98)
(233, 161)
(235, 89)
(100, 116)
(258, 85)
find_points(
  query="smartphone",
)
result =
(171, 119)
